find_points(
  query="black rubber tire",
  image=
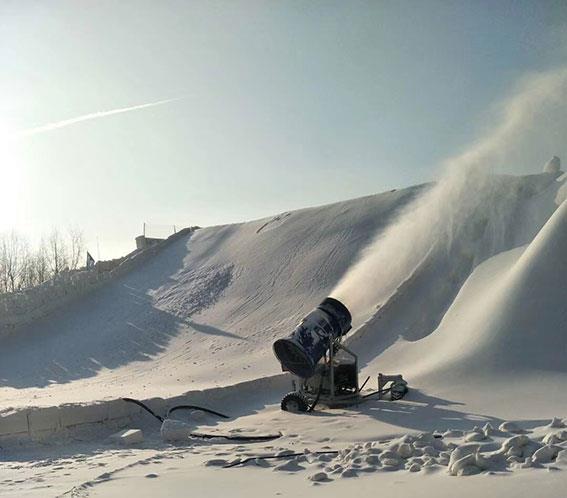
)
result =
(294, 402)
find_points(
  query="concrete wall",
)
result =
(39, 423)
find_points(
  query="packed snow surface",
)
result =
(458, 285)
(205, 310)
(476, 325)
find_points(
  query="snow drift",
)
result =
(509, 320)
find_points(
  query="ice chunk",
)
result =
(175, 430)
(546, 454)
(319, 477)
(510, 427)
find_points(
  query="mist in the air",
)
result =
(529, 128)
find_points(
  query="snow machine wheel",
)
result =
(398, 391)
(295, 403)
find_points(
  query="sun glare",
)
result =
(11, 176)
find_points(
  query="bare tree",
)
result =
(13, 261)
(35, 268)
(22, 268)
(41, 261)
(3, 264)
(56, 252)
(28, 275)
(76, 247)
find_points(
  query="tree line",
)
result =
(23, 266)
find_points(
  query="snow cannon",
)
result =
(325, 370)
(301, 351)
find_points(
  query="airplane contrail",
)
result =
(86, 117)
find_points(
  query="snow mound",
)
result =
(493, 452)
(507, 325)
(553, 165)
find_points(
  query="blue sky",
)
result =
(282, 104)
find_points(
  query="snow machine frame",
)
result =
(335, 383)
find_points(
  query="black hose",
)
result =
(383, 391)
(268, 457)
(312, 407)
(148, 409)
(269, 437)
(193, 407)
(172, 409)
(363, 384)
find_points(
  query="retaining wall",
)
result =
(23, 425)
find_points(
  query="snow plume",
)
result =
(87, 117)
(531, 127)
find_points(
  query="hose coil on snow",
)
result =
(200, 435)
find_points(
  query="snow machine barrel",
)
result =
(301, 351)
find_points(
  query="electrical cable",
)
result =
(364, 383)
(193, 407)
(268, 457)
(147, 408)
(268, 437)
(312, 407)
(383, 391)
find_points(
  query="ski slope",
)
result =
(205, 311)
(202, 313)
(477, 327)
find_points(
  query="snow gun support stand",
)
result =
(335, 383)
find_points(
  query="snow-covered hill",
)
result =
(506, 332)
(474, 317)
(205, 311)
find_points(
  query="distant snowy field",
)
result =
(478, 328)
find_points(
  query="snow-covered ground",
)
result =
(478, 328)
(204, 312)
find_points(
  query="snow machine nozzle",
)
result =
(301, 351)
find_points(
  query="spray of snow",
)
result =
(531, 125)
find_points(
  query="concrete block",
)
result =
(15, 422)
(83, 414)
(44, 419)
(175, 430)
(128, 437)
